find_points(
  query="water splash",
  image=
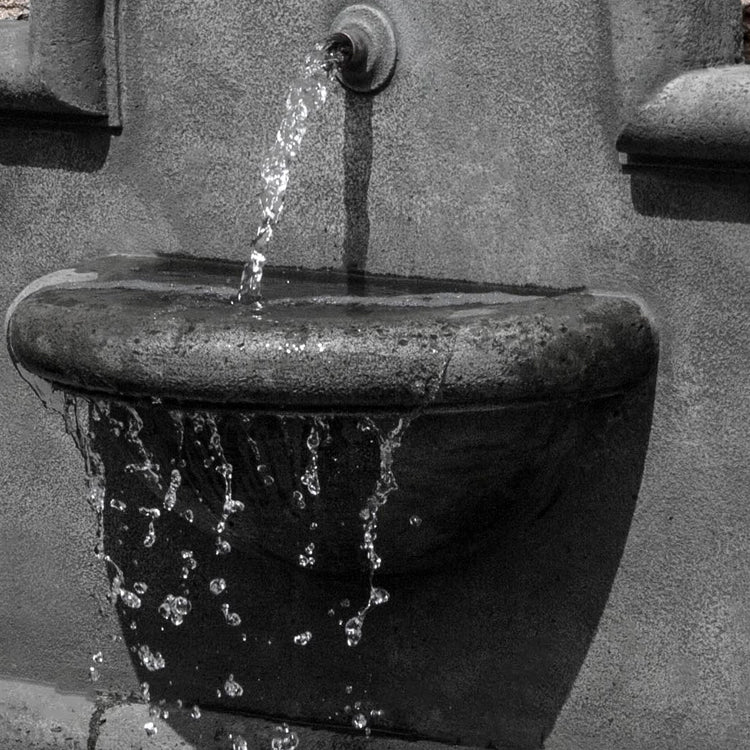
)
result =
(128, 429)
(388, 442)
(306, 96)
(311, 478)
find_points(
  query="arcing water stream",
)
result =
(306, 96)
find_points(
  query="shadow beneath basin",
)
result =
(480, 647)
(53, 147)
(692, 195)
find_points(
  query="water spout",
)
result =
(368, 32)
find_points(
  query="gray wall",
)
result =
(492, 158)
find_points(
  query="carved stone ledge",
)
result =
(699, 120)
(61, 64)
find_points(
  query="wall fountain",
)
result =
(269, 476)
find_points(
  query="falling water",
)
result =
(388, 443)
(306, 96)
(201, 456)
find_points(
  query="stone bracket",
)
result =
(61, 65)
(698, 121)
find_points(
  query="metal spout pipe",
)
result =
(365, 36)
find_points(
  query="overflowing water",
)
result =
(388, 442)
(197, 468)
(306, 96)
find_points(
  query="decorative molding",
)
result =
(699, 121)
(61, 65)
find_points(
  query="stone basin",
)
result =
(164, 326)
(528, 414)
(495, 383)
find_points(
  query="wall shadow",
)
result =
(357, 168)
(481, 651)
(692, 195)
(53, 147)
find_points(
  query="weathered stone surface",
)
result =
(36, 717)
(166, 328)
(702, 115)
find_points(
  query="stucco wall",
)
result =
(492, 158)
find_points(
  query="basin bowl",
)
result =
(492, 386)
(501, 431)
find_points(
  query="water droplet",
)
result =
(232, 618)
(152, 661)
(231, 688)
(359, 721)
(97, 658)
(195, 713)
(353, 630)
(332, 613)
(222, 546)
(118, 505)
(299, 499)
(129, 599)
(150, 728)
(415, 521)
(140, 588)
(305, 561)
(188, 516)
(284, 739)
(302, 639)
(239, 743)
(93, 674)
(345, 604)
(189, 563)
(379, 596)
(313, 526)
(150, 512)
(145, 692)
(150, 537)
(170, 498)
(348, 689)
(175, 608)
(217, 586)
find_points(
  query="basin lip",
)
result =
(161, 327)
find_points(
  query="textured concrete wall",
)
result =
(490, 157)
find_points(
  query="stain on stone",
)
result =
(357, 168)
